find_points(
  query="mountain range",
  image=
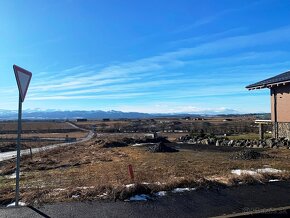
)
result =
(37, 114)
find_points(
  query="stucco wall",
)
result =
(283, 103)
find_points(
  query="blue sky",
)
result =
(145, 56)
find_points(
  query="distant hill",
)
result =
(55, 114)
(99, 114)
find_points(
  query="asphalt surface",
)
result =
(200, 203)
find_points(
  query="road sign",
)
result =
(23, 78)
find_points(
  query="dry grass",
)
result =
(42, 125)
(250, 136)
(47, 135)
(88, 170)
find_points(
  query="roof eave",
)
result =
(267, 85)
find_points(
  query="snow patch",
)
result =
(12, 176)
(142, 144)
(145, 183)
(59, 189)
(75, 196)
(176, 190)
(274, 180)
(130, 185)
(141, 197)
(86, 187)
(161, 193)
(159, 183)
(269, 170)
(255, 172)
(103, 195)
(13, 204)
(240, 172)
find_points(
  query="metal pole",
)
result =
(18, 151)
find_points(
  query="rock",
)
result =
(161, 147)
(204, 141)
(237, 144)
(255, 146)
(225, 142)
(269, 142)
(231, 143)
(212, 141)
(261, 146)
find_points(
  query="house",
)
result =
(280, 102)
(82, 120)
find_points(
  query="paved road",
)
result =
(12, 154)
(201, 203)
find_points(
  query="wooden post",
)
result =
(30, 149)
(261, 131)
(131, 173)
(275, 114)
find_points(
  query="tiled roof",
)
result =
(281, 78)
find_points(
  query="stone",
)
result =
(225, 142)
(212, 140)
(237, 144)
(204, 141)
(269, 143)
(231, 143)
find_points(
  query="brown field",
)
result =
(39, 125)
(36, 134)
(88, 170)
(46, 135)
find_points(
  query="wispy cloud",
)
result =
(195, 72)
(208, 37)
(210, 19)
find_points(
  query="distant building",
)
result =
(82, 120)
(280, 102)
